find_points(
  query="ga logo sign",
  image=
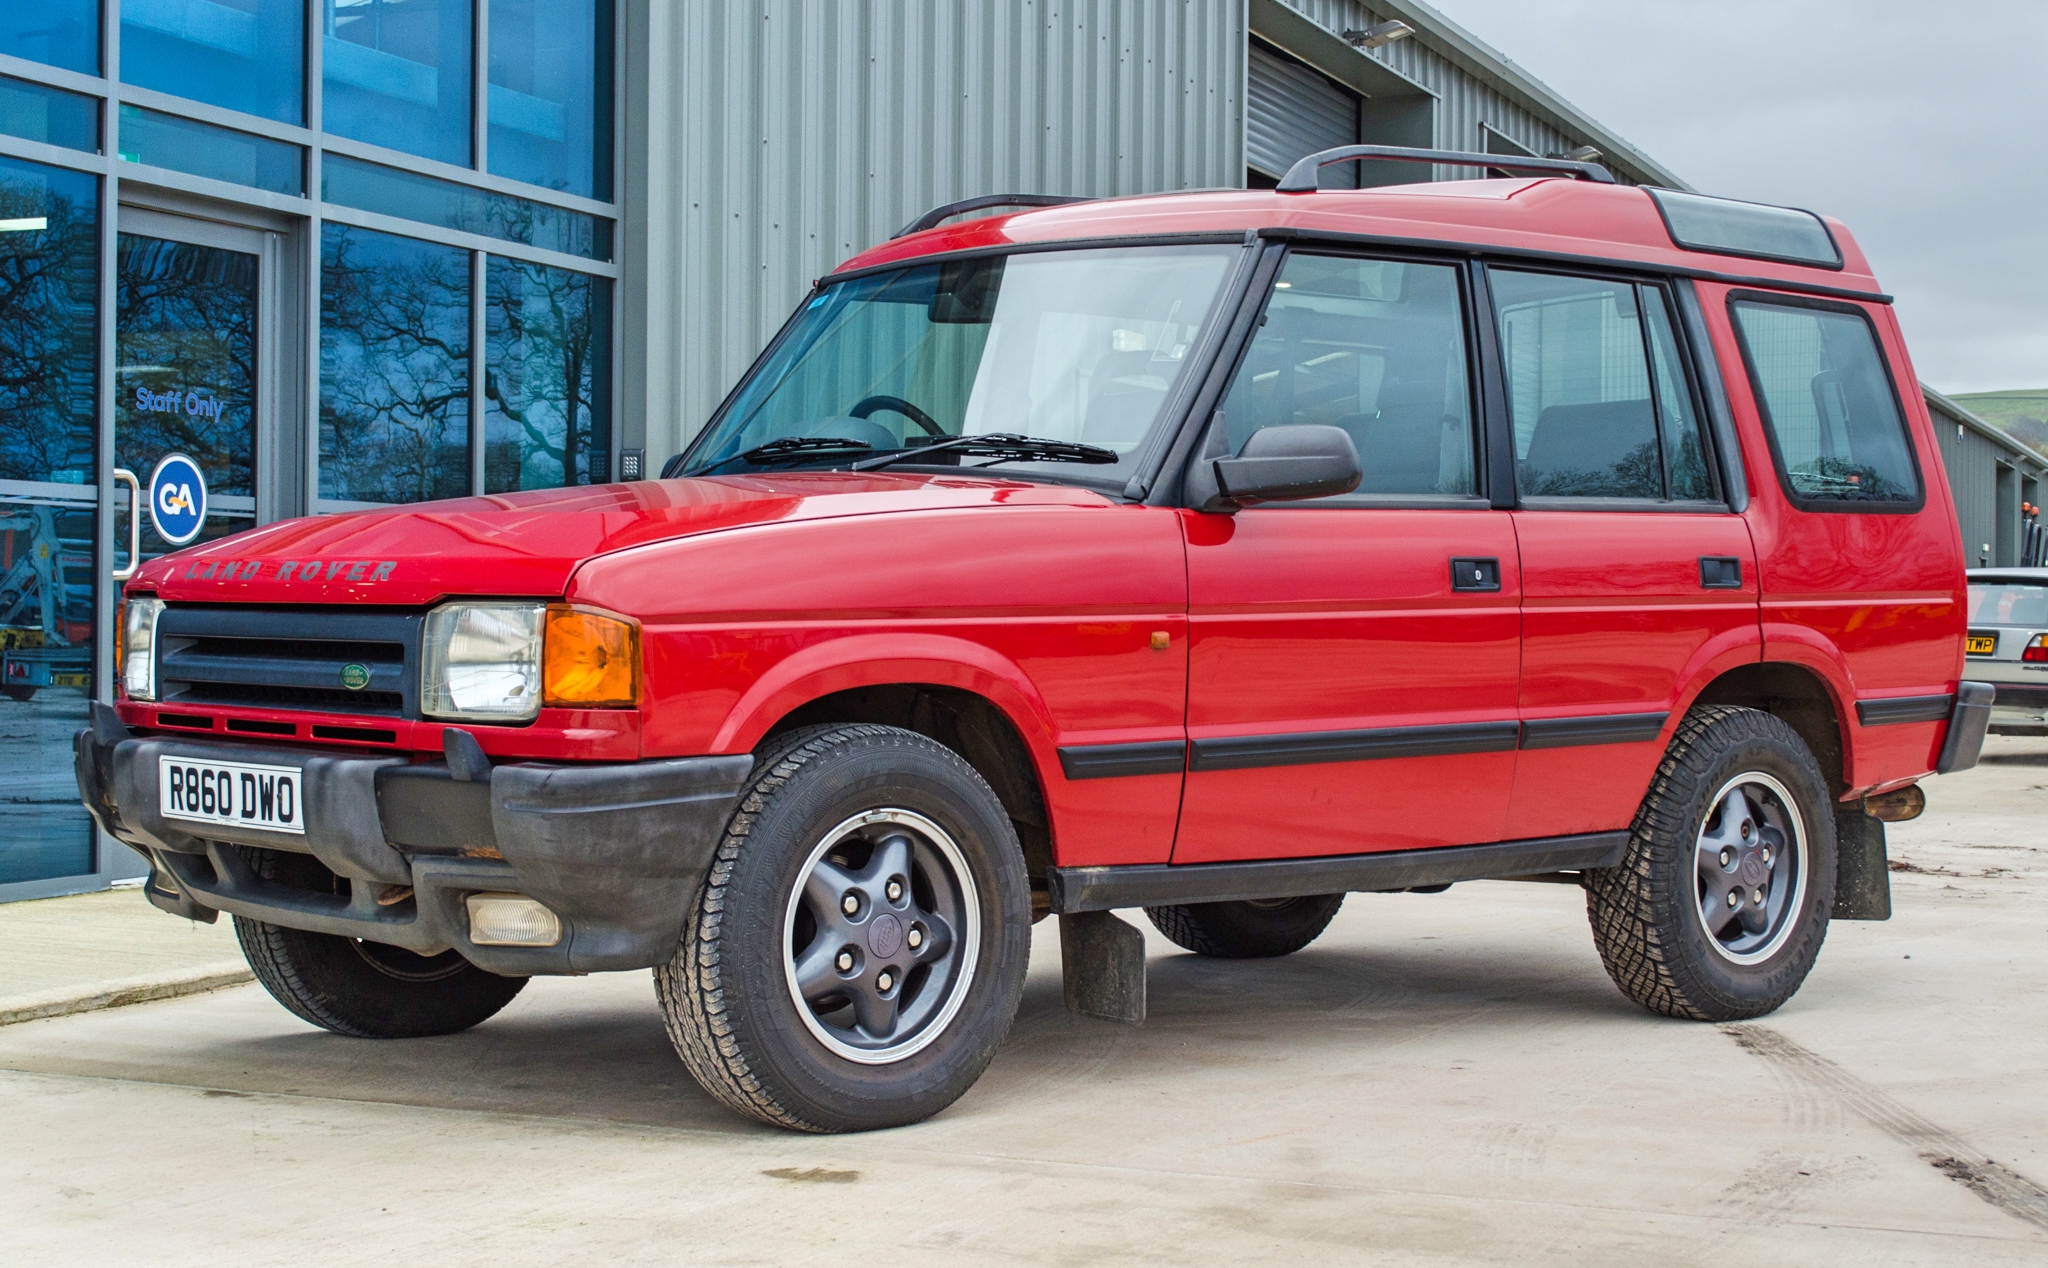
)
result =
(177, 499)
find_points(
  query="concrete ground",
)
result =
(1442, 1079)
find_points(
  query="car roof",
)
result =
(1542, 216)
(2016, 576)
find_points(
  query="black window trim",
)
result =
(1826, 506)
(1475, 374)
(1667, 287)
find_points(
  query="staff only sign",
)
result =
(177, 499)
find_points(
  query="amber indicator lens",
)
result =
(590, 659)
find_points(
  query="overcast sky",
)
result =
(1922, 126)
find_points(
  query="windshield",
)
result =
(2004, 603)
(1075, 346)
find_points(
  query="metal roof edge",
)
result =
(1489, 66)
(1989, 431)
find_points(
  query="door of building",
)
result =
(195, 364)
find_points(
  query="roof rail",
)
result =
(936, 214)
(1301, 178)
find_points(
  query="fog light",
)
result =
(511, 920)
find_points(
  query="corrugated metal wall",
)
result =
(1974, 460)
(1463, 103)
(769, 141)
(1290, 111)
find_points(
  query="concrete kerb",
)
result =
(129, 990)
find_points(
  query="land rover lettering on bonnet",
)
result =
(1211, 554)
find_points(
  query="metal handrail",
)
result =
(127, 477)
(1301, 178)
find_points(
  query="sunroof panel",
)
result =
(1728, 227)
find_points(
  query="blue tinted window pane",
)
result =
(397, 74)
(547, 377)
(49, 281)
(162, 140)
(62, 33)
(49, 115)
(550, 99)
(370, 187)
(394, 368)
(246, 55)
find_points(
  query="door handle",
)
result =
(1720, 572)
(1473, 576)
(122, 476)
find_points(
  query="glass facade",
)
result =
(394, 368)
(547, 378)
(49, 339)
(60, 33)
(35, 112)
(462, 314)
(550, 94)
(243, 55)
(397, 73)
(184, 145)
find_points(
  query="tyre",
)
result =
(1719, 907)
(1252, 930)
(367, 990)
(858, 949)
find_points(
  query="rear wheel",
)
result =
(370, 990)
(858, 949)
(1252, 930)
(364, 989)
(1720, 905)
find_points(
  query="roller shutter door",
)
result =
(1294, 111)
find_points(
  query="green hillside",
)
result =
(2021, 414)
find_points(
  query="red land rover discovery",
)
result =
(1216, 554)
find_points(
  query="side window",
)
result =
(1376, 347)
(1597, 390)
(1828, 404)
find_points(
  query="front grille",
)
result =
(289, 659)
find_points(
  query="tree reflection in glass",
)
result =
(185, 359)
(547, 380)
(394, 368)
(49, 278)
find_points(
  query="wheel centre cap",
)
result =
(885, 935)
(1752, 869)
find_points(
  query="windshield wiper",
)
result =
(1002, 446)
(801, 447)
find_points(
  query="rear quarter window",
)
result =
(1837, 433)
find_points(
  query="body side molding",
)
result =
(1109, 761)
(1075, 889)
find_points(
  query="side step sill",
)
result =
(1078, 889)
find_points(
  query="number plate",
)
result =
(251, 796)
(1981, 644)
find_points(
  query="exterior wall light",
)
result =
(1379, 34)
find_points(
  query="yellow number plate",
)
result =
(1981, 644)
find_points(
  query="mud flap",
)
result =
(1103, 964)
(1863, 882)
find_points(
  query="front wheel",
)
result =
(1719, 907)
(858, 949)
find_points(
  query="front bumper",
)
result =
(617, 852)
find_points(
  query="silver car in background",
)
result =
(2008, 645)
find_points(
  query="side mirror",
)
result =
(1288, 464)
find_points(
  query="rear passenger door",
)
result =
(1348, 689)
(1638, 579)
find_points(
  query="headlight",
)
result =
(138, 646)
(482, 660)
